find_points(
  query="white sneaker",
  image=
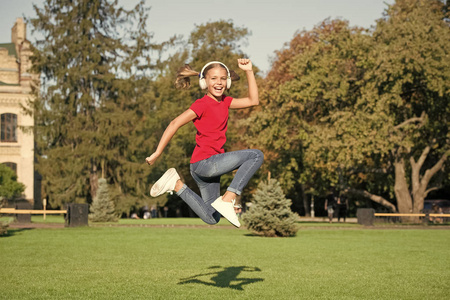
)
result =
(226, 209)
(166, 183)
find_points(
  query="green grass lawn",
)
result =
(223, 263)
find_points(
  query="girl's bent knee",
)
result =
(210, 222)
(259, 155)
(213, 220)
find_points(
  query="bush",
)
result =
(102, 208)
(9, 187)
(3, 228)
(270, 213)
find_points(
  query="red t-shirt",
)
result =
(211, 124)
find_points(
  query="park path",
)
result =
(334, 226)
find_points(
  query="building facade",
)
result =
(17, 140)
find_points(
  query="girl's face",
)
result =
(216, 82)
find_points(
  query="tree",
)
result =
(270, 214)
(102, 208)
(357, 105)
(411, 78)
(88, 114)
(401, 114)
(319, 73)
(9, 187)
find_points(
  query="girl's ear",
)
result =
(234, 76)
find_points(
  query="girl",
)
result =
(209, 160)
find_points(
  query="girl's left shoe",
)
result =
(226, 209)
(166, 183)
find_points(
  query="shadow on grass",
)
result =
(224, 277)
(14, 231)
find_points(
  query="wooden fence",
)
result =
(410, 215)
(13, 211)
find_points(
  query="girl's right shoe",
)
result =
(226, 209)
(166, 183)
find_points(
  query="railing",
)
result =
(75, 214)
(366, 216)
(13, 211)
(410, 215)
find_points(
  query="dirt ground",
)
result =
(334, 226)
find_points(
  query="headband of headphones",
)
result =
(202, 80)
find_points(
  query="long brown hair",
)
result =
(184, 73)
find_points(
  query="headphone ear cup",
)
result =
(202, 83)
(228, 82)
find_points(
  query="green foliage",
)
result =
(4, 225)
(9, 187)
(343, 105)
(411, 73)
(3, 228)
(270, 214)
(89, 112)
(102, 208)
(104, 103)
(219, 40)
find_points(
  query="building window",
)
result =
(11, 165)
(9, 128)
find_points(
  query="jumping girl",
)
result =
(209, 160)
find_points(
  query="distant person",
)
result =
(330, 205)
(209, 161)
(146, 213)
(342, 207)
(436, 209)
(154, 212)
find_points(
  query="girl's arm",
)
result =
(252, 99)
(170, 131)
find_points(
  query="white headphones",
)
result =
(202, 80)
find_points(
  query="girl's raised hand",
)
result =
(245, 64)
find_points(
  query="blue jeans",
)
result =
(207, 174)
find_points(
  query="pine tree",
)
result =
(270, 214)
(92, 57)
(102, 208)
(9, 186)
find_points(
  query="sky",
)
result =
(272, 23)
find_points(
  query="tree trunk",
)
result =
(93, 180)
(305, 202)
(401, 189)
(412, 202)
(420, 184)
(103, 168)
(409, 201)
